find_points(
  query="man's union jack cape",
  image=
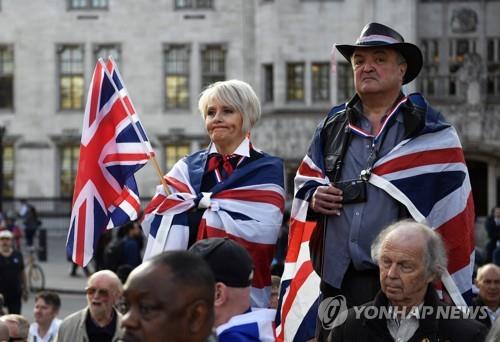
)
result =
(426, 173)
(254, 325)
(246, 207)
(113, 147)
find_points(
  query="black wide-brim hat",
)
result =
(375, 34)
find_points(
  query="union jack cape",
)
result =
(246, 207)
(426, 173)
(113, 147)
(255, 325)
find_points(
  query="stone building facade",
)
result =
(168, 50)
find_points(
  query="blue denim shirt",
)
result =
(349, 236)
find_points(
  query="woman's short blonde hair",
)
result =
(234, 93)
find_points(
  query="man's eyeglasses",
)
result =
(91, 291)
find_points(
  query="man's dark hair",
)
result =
(51, 298)
(188, 270)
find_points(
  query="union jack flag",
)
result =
(246, 207)
(254, 325)
(113, 147)
(427, 174)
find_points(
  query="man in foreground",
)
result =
(410, 257)
(170, 297)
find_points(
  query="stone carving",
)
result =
(463, 20)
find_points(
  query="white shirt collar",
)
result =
(242, 150)
(51, 333)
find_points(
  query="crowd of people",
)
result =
(209, 270)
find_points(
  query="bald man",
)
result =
(488, 283)
(170, 298)
(99, 321)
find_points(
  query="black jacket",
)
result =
(431, 329)
(477, 303)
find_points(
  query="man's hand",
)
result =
(327, 200)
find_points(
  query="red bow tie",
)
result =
(225, 163)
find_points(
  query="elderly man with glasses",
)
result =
(99, 321)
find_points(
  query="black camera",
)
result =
(354, 190)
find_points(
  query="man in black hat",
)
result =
(233, 268)
(350, 207)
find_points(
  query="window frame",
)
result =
(61, 74)
(194, 5)
(74, 150)
(345, 81)
(214, 76)
(493, 69)
(183, 73)
(268, 80)
(8, 48)
(107, 46)
(182, 148)
(9, 176)
(429, 78)
(89, 5)
(318, 80)
(299, 86)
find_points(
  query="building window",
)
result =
(174, 152)
(105, 50)
(70, 77)
(458, 48)
(493, 66)
(430, 78)
(6, 77)
(320, 73)
(345, 82)
(177, 76)
(268, 83)
(295, 81)
(88, 4)
(200, 4)
(213, 64)
(8, 171)
(67, 171)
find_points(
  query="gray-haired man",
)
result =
(410, 256)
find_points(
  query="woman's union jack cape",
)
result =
(246, 207)
(426, 173)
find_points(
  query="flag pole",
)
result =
(151, 156)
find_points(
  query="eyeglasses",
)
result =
(12, 339)
(91, 291)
